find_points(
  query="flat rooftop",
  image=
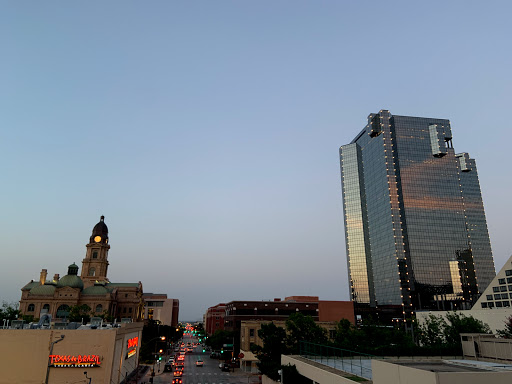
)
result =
(455, 365)
(439, 366)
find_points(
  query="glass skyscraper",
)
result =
(415, 228)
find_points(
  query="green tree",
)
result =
(80, 312)
(373, 337)
(9, 311)
(458, 323)
(274, 345)
(347, 336)
(291, 375)
(219, 338)
(432, 331)
(507, 332)
(303, 328)
(107, 316)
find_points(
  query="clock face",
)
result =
(97, 239)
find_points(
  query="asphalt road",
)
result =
(209, 373)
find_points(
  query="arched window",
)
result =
(95, 255)
(99, 308)
(46, 308)
(92, 272)
(31, 308)
(63, 311)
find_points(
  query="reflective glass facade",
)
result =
(415, 227)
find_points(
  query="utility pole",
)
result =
(51, 352)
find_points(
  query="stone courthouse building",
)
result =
(92, 287)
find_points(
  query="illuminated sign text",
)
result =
(69, 361)
(133, 342)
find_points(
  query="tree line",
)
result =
(438, 336)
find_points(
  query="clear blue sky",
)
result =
(207, 132)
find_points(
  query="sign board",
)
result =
(227, 345)
(241, 355)
(131, 346)
(70, 361)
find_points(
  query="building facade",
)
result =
(92, 287)
(499, 292)
(237, 312)
(214, 319)
(415, 228)
(158, 307)
(249, 335)
(104, 355)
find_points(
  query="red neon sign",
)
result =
(69, 361)
(133, 342)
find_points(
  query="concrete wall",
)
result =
(267, 380)
(317, 374)
(486, 347)
(475, 378)
(390, 373)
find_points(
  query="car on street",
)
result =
(177, 380)
(178, 373)
(199, 363)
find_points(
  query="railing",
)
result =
(343, 359)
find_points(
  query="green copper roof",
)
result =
(30, 285)
(46, 290)
(95, 290)
(72, 281)
(114, 285)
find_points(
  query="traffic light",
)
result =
(222, 350)
(159, 358)
(204, 350)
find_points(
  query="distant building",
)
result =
(493, 307)
(279, 310)
(92, 287)
(415, 228)
(214, 319)
(158, 307)
(499, 292)
(249, 335)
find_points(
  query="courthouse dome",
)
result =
(71, 279)
(100, 228)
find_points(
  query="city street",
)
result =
(209, 373)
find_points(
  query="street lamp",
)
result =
(51, 352)
(154, 361)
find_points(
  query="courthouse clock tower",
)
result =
(95, 263)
